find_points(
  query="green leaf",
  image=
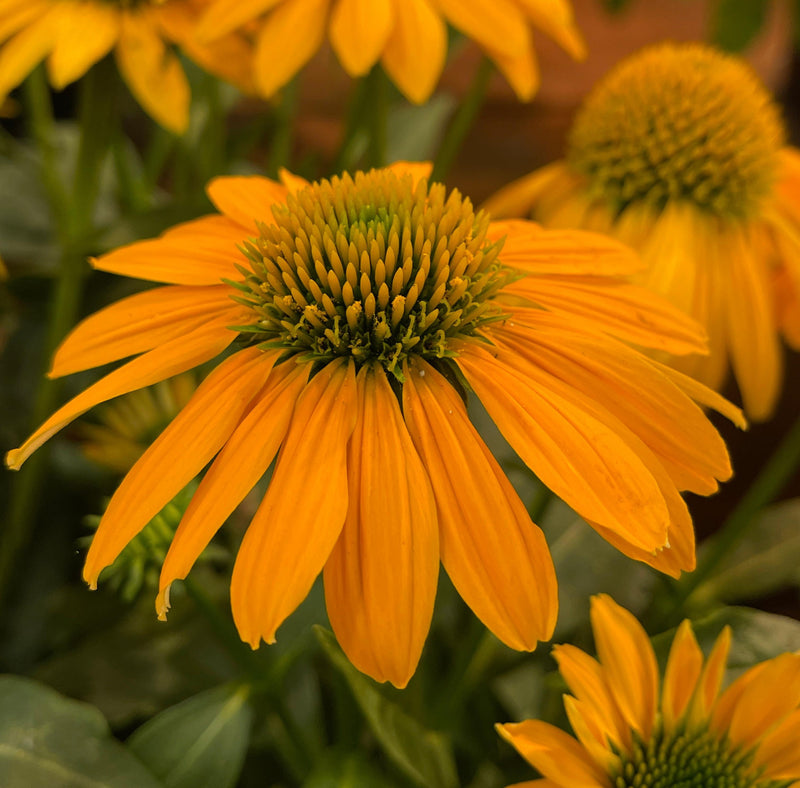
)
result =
(756, 635)
(425, 756)
(200, 743)
(47, 740)
(735, 23)
(414, 133)
(337, 770)
(766, 560)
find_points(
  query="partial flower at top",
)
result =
(358, 310)
(408, 37)
(688, 735)
(75, 34)
(680, 153)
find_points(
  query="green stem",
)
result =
(281, 147)
(377, 88)
(462, 121)
(345, 157)
(541, 503)
(766, 487)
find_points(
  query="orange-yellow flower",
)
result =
(408, 37)
(75, 34)
(629, 734)
(358, 309)
(680, 153)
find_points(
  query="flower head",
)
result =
(680, 152)
(408, 37)
(689, 734)
(358, 310)
(140, 32)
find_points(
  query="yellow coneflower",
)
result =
(680, 153)
(128, 425)
(75, 34)
(408, 37)
(630, 735)
(359, 308)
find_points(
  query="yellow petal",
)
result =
(680, 679)
(224, 16)
(240, 464)
(246, 199)
(138, 323)
(380, 579)
(75, 51)
(290, 36)
(539, 252)
(710, 680)
(591, 733)
(190, 441)
(172, 358)
(520, 69)
(705, 396)
(359, 30)
(577, 456)
(519, 197)
(496, 557)
(416, 169)
(778, 753)
(555, 17)
(495, 24)
(302, 514)
(628, 661)
(17, 14)
(415, 52)
(555, 754)
(20, 55)
(153, 72)
(292, 182)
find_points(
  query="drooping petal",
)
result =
(242, 462)
(17, 14)
(519, 197)
(153, 72)
(496, 557)
(359, 30)
(520, 69)
(171, 358)
(193, 437)
(415, 52)
(295, 528)
(628, 661)
(246, 199)
(495, 24)
(578, 457)
(380, 579)
(223, 16)
(778, 753)
(555, 754)
(536, 251)
(290, 36)
(20, 55)
(74, 52)
(555, 17)
(138, 323)
(684, 665)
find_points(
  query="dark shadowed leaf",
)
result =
(735, 23)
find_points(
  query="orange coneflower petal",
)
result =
(584, 677)
(171, 358)
(223, 16)
(754, 347)
(555, 18)
(778, 753)
(555, 754)
(138, 323)
(415, 52)
(416, 169)
(518, 197)
(536, 251)
(359, 30)
(74, 52)
(520, 69)
(583, 461)
(710, 680)
(684, 665)
(496, 557)
(242, 462)
(280, 51)
(629, 386)
(27, 48)
(302, 514)
(628, 661)
(705, 396)
(153, 72)
(193, 437)
(628, 312)
(246, 199)
(590, 730)
(16, 14)
(380, 579)
(498, 25)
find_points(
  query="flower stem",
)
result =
(767, 485)
(348, 149)
(378, 118)
(281, 147)
(462, 122)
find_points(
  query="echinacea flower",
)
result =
(680, 153)
(358, 309)
(687, 735)
(75, 34)
(408, 37)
